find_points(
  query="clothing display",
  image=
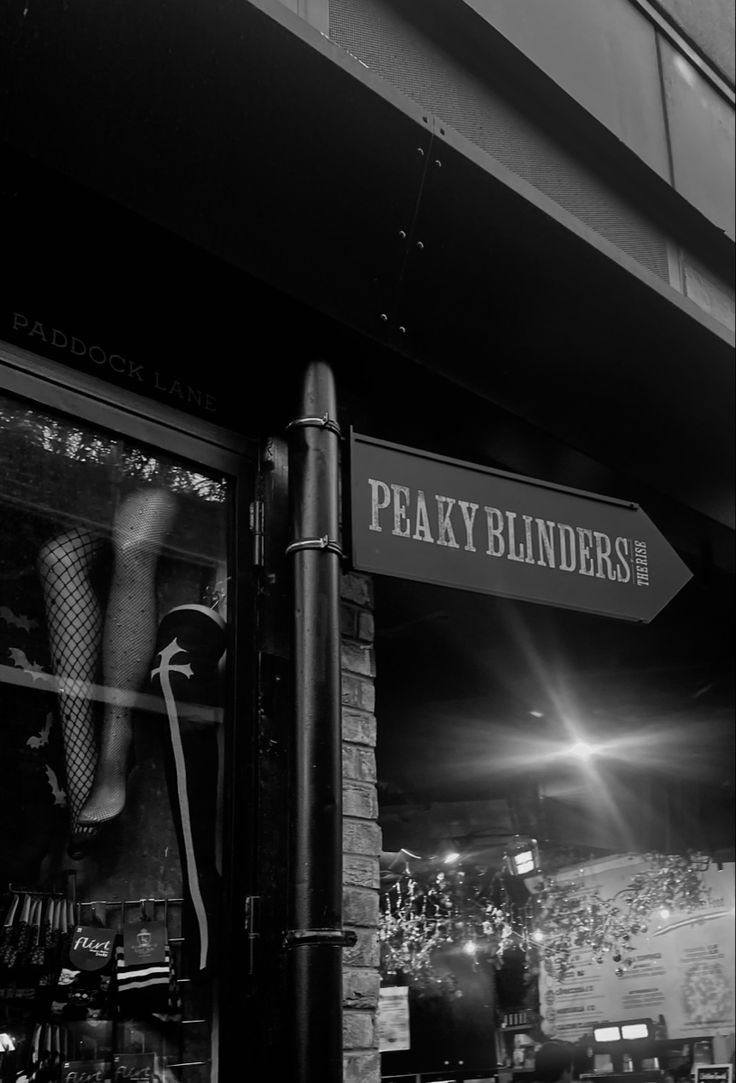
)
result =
(146, 989)
(139, 529)
(189, 647)
(113, 593)
(123, 639)
(69, 990)
(75, 625)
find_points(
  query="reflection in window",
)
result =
(113, 629)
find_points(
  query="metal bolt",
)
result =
(402, 330)
(420, 245)
(383, 317)
(420, 152)
(438, 163)
(402, 234)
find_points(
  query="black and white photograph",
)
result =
(367, 443)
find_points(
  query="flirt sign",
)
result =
(419, 516)
(91, 947)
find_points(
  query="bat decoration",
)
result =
(40, 739)
(20, 621)
(59, 795)
(21, 660)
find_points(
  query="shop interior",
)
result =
(513, 730)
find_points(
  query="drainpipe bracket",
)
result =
(315, 543)
(324, 422)
(331, 938)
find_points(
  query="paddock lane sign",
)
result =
(419, 516)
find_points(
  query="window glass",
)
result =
(601, 52)
(113, 629)
(701, 126)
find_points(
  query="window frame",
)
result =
(46, 384)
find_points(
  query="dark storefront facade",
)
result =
(231, 243)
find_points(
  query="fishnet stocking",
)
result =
(139, 529)
(74, 623)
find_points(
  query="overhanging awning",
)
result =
(239, 128)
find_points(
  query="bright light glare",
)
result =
(582, 750)
(450, 859)
(634, 1030)
(664, 912)
(662, 746)
(606, 1034)
(524, 863)
(685, 70)
(469, 947)
(538, 935)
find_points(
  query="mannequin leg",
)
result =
(128, 639)
(75, 628)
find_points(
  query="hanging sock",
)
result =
(22, 978)
(145, 989)
(19, 932)
(8, 930)
(36, 953)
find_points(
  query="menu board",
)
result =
(681, 968)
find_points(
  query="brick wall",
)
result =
(361, 833)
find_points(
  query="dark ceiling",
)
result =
(266, 146)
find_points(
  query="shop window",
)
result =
(114, 582)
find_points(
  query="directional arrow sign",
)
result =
(420, 516)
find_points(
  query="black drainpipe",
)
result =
(315, 937)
